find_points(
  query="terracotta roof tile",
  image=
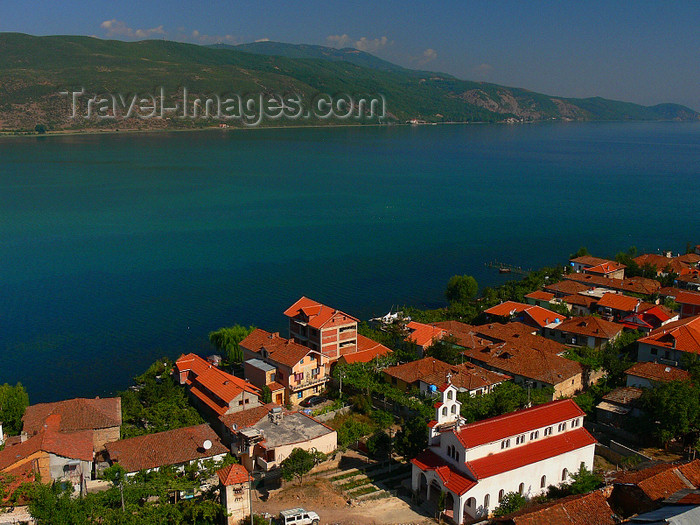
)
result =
(317, 315)
(280, 350)
(540, 295)
(658, 372)
(233, 475)
(367, 349)
(567, 287)
(589, 260)
(451, 478)
(590, 326)
(580, 300)
(499, 427)
(76, 414)
(633, 284)
(682, 335)
(172, 447)
(605, 268)
(623, 395)
(579, 509)
(248, 417)
(623, 303)
(660, 481)
(424, 334)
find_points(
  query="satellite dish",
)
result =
(206, 445)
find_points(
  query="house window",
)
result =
(247, 401)
(520, 439)
(456, 456)
(548, 431)
(543, 482)
(454, 409)
(471, 502)
(444, 411)
(272, 377)
(667, 354)
(500, 495)
(521, 489)
(564, 474)
(299, 394)
(449, 394)
(534, 435)
(302, 361)
(505, 443)
(487, 500)
(561, 427)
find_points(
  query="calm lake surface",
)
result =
(118, 249)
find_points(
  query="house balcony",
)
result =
(308, 383)
(265, 465)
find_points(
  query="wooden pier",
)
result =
(506, 268)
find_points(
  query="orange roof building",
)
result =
(424, 335)
(476, 464)
(648, 374)
(321, 328)
(669, 342)
(579, 509)
(215, 391)
(590, 331)
(531, 315)
(367, 350)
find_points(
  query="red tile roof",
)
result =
(233, 475)
(579, 509)
(424, 334)
(590, 326)
(588, 260)
(452, 479)
(623, 395)
(248, 417)
(507, 309)
(280, 350)
(540, 295)
(633, 284)
(540, 316)
(506, 425)
(605, 268)
(454, 327)
(71, 445)
(580, 300)
(205, 380)
(660, 481)
(682, 335)
(623, 303)
(76, 414)
(658, 372)
(531, 453)
(172, 447)
(318, 315)
(367, 349)
(567, 287)
(681, 296)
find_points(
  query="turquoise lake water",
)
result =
(117, 249)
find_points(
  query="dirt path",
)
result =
(321, 497)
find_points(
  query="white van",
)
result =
(299, 516)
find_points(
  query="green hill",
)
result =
(34, 70)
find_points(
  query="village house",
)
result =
(102, 417)
(367, 350)
(177, 448)
(643, 490)
(689, 281)
(579, 509)
(428, 373)
(214, 391)
(476, 464)
(534, 316)
(262, 440)
(298, 369)
(638, 285)
(650, 318)
(424, 335)
(234, 487)
(51, 454)
(584, 331)
(580, 304)
(618, 404)
(668, 343)
(689, 302)
(566, 287)
(648, 374)
(329, 331)
(666, 263)
(540, 298)
(585, 262)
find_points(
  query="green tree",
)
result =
(461, 289)
(227, 340)
(297, 464)
(351, 431)
(40, 129)
(511, 502)
(446, 350)
(379, 444)
(671, 409)
(13, 402)
(412, 439)
(266, 394)
(584, 481)
(580, 253)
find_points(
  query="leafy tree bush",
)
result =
(412, 439)
(446, 350)
(461, 289)
(297, 464)
(671, 409)
(227, 340)
(379, 444)
(511, 502)
(351, 431)
(266, 394)
(13, 402)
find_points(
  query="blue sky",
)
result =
(644, 51)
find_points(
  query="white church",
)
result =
(475, 464)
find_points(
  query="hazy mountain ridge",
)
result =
(33, 70)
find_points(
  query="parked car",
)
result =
(298, 516)
(312, 401)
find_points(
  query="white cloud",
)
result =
(117, 28)
(338, 40)
(371, 46)
(427, 56)
(483, 71)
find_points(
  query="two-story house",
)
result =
(670, 342)
(321, 328)
(476, 464)
(300, 370)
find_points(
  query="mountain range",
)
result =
(34, 71)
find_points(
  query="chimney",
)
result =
(23, 437)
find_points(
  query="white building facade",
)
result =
(476, 464)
